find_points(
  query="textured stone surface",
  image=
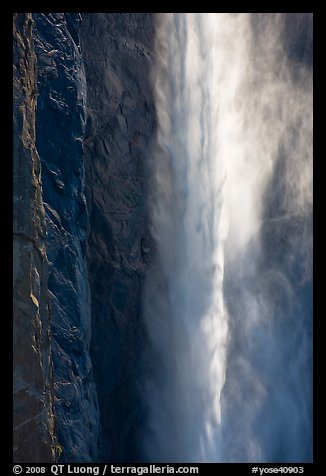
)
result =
(60, 121)
(32, 383)
(95, 310)
(117, 51)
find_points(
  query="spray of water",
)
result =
(227, 303)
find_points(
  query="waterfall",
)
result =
(228, 302)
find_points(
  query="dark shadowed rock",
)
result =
(32, 381)
(94, 311)
(60, 124)
(117, 50)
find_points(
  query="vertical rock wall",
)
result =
(117, 50)
(60, 121)
(32, 384)
(79, 267)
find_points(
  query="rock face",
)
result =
(117, 50)
(81, 245)
(33, 396)
(60, 121)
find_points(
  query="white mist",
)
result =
(225, 107)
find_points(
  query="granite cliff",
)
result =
(119, 130)
(84, 120)
(60, 120)
(33, 423)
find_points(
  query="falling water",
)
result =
(228, 303)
